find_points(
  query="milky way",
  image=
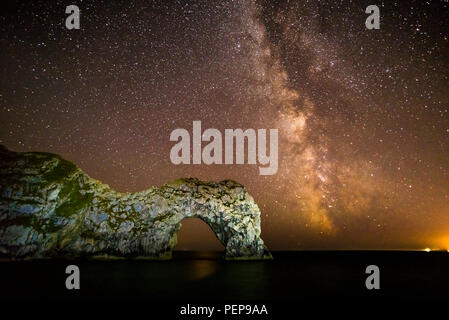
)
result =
(362, 114)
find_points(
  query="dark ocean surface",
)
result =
(292, 278)
(205, 276)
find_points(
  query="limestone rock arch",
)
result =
(51, 208)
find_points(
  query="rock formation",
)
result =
(50, 208)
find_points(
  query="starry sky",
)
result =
(362, 114)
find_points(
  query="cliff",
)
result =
(50, 208)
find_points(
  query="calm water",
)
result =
(194, 276)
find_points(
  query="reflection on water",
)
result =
(201, 264)
(199, 269)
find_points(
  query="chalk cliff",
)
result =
(50, 208)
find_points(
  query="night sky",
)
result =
(363, 115)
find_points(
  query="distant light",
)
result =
(427, 249)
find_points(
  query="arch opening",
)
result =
(197, 235)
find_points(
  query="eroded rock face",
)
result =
(50, 208)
